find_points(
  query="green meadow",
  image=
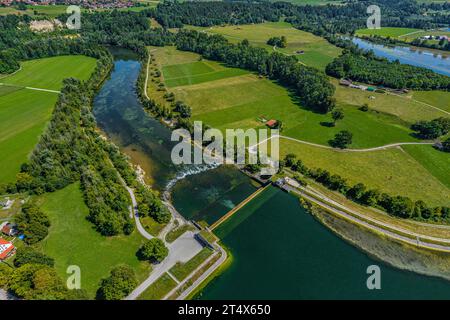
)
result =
(23, 116)
(52, 11)
(317, 51)
(407, 108)
(197, 72)
(386, 32)
(73, 241)
(25, 112)
(392, 170)
(48, 73)
(228, 99)
(436, 162)
(439, 99)
(36, 10)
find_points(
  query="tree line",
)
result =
(368, 68)
(398, 206)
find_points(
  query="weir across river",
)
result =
(236, 208)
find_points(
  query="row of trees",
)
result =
(398, 206)
(369, 69)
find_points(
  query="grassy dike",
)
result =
(196, 294)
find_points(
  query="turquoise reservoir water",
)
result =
(439, 63)
(282, 252)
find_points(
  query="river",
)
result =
(279, 250)
(420, 57)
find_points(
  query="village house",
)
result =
(8, 229)
(7, 249)
(272, 123)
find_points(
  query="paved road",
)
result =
(183, 249)
(370, 223)
(392, 145)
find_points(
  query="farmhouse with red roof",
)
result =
(6, 249)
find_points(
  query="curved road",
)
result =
(392, 145)
(134, 212)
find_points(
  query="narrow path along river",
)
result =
(279, 250)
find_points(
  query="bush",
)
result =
(27, 255)
(32, 223)
(118, 285)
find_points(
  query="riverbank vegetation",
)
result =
(367, 68)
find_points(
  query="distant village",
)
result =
(90, 4)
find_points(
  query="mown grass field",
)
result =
(24, 112)
(48, 73)
(23, 116)
(197, 72)
(386, 32)
(436, 162)
(439, 99)
(393, 171)
(73, 241)
(404, 107)
(317, 51)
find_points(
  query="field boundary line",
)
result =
(420, 102)
(387, 146)
(10, 74)
(29, 88)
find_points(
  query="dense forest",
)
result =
(205, 14)
(370, 69)
(321, 20)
